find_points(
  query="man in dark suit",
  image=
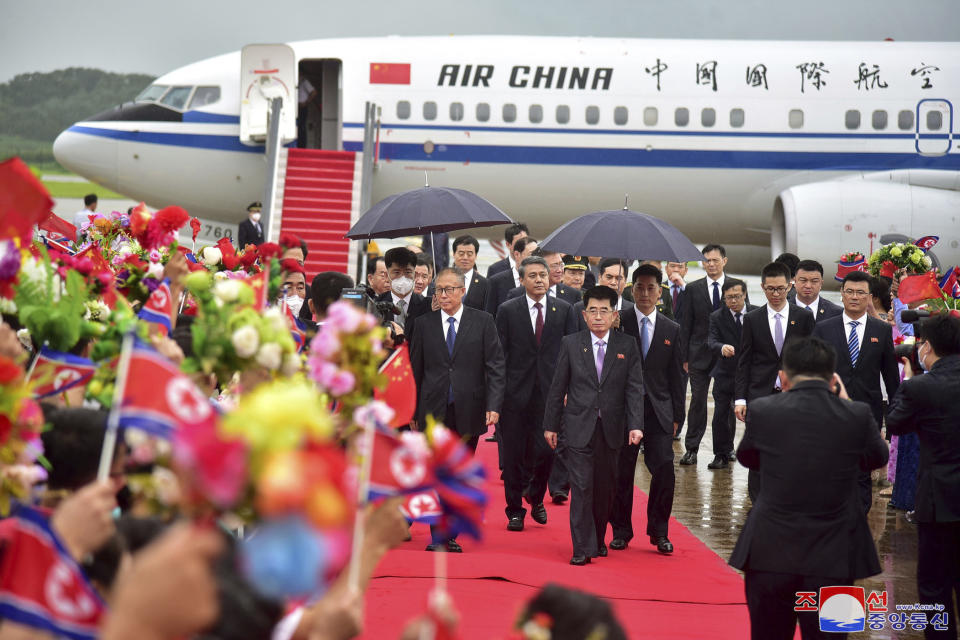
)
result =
(511, 234)
(866, 354)
(700, 298)
(765, 331)
(726, 327)
(807, 530)
(530, 327)
(557, 289)
(501, 283)
(458, 366)
(465, 249)
(400, 263)
(613, 274)
(676, 272)
(250, 230)
(600, 374)
(807, 283)
(927, 405)
(659, 340)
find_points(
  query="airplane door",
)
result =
(320, 110)
(934, 134)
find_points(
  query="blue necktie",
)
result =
(853, 345)
(645, 335)
(716, 296)
(451, 339)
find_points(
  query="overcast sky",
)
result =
(155, 37)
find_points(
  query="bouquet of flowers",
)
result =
(9, 276)
(20, 447)
(895, 257)
(224, 257)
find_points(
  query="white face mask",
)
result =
(294, 302)
(402, 286)
(922, 356)
(255, 217)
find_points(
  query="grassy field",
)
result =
(39, 157)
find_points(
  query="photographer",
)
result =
(928, 405)
(406, 305)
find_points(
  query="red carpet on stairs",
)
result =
(691, 594)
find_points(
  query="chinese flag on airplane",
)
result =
(400, 393)
(389, 73)
(919, 287)
(23, 200)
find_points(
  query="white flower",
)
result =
(927, 262)
(23, 335)
(245, 341)
(97, 310)
(155, 270)
(291, 364)
(167, 486)
(8, 306)
(278, 322)
(126, 249)
(270, 356)
(227, 290)
(220, 275)
(211, 256)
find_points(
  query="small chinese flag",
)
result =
(23, 200)
(260, 284)
(389, 73)
(55, 224)
(919, 287)
(400, 393)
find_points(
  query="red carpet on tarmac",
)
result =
(690, 594)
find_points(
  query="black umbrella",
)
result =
(426, 210)
(622, 234)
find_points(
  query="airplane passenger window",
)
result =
(593, 114)
(152, 93)
(708, 117)
(879, 119)
(650, 116)
(905, 120)
(403, 109)
(456, 111)
(852, 119)
(934, 120)
(681, 117)
(177, 97)
(430, 110)
(737, 118)
(509, 112)
(796, 118)
(620, 115)
(204, 96)
(563, 114)
(535, 113)
(483, 111)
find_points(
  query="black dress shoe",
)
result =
(558, 498)
(435, 546)
(618, 544)
(579, 561)
(690, 457)
(454, 547)
(490, 439)
(719, 462)
(539, 514)
(602, 551)
(515, 524)
(731, 457)
(662, 543)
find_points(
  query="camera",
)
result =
(910, 351)
(363, 298)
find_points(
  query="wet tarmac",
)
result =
(714, 504)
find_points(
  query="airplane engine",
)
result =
(823, 220)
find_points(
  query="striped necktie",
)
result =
(853, 344)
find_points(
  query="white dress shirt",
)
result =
(719, 282)
(406, 302)
(861, 328)
(516, 277)
(446, 325)
(81, 218)
(652, 319)
(772, 320)
(813, 306)
(596, 343)
(533, 311)
(467, 280)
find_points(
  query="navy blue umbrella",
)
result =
(622, 234)
(426, 210)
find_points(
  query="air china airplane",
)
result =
(817, 148)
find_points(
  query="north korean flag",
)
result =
(422, 507)
(389, 73)
(297, 329)
(927, 242)
(158, 307)
(950, 283)
(41, 586)
(158, 398)
(400, 464)
(58, 371)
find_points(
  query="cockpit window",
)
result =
(177, 97)
(204, 96)
(152, 93)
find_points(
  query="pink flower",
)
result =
(322, 372)
(344, 317)
(325, 344)
(342, 383)
(374, 410)
(218, 466)
(154, 255)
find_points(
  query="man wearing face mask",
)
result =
(294, 285)
(251, 231)
(401, 263)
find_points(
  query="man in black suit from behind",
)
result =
(250, 230)
(927, 404)
(556, 287)
(806, 531)
(765, 331)
(726, 327)
(530, 328)
(511, 234)
(600, 374)
(458, 366)
(501, 283)
(865, 354)
(465, 249)
(659, 340)
(700, 298)
(807, 284)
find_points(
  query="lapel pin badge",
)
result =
(793, 322)
(874, 340)
(620, 356)
(553, 308)
(666, 342)
(584, 349)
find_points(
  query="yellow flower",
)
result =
(896, 252)
(916, 257)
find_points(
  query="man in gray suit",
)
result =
(600, 373)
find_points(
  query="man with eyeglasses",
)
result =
(600, 374)
(865, 355)
(808, 282)
(765, 331)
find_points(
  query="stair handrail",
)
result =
(272, 156)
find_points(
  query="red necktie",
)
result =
(675, 296)
(538, 330)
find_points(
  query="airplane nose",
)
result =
(89, 154)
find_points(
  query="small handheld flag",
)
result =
(927, 242)
(158, 307)
(59, 371)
